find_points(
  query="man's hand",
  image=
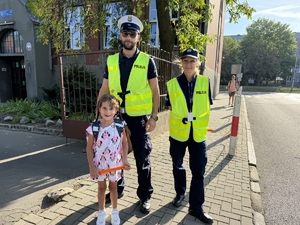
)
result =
(150, 125)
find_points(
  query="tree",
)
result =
(230, 56)
(269, 49)
(192, 12)
(53, 24)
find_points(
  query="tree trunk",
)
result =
(166, 33)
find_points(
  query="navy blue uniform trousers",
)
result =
(142, 148)
(197, 162)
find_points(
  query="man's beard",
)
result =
(130, 47)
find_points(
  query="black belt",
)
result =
(122, 110)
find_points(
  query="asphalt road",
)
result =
(275, 126)
(31, 165)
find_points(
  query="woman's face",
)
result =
(189, 65)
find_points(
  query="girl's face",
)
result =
(107, 111)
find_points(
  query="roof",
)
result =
(33, 18)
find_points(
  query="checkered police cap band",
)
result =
(190, 52)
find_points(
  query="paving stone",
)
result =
(227, 184)
(32, 218)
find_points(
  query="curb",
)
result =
(33, 129)
(255, 191)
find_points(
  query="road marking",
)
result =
(29, 154)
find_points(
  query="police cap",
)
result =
(190, 52)
(130, 23)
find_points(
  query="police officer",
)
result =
(131, 76)
(189, 100)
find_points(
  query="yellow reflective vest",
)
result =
(201, 110)
(138, 101)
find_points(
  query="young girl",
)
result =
(232, 88)
(108, 151)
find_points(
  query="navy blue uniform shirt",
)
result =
(125, 65)
(188, 91)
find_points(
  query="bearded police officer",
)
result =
(131, 76)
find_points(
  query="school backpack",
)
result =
(120, 127)
(96, 127)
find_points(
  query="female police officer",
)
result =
(189, 100)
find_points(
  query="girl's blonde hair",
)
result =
(178, 61)
(112, 101)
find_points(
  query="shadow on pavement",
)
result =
(32, 162)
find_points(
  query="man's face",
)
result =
(129, 39)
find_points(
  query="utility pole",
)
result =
(294, 76)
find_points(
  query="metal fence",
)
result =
(81, 75)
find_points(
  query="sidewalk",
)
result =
(227, 182)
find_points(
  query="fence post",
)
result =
(235, 122)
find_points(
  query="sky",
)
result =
(283, 11)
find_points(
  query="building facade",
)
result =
(27, 66)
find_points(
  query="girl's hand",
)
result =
(126, 164)
(94, 172)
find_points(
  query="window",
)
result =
(75, 27)
(297, 70)
(115, 11)
(154, 32)
(12, 42)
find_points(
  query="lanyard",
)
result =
(191, 92)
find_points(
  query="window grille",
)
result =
(12, 42)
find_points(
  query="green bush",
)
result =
(81, 89)
(52, 94)
(32, 109)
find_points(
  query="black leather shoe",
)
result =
(203, 217)
(177, 201)
(107, 197)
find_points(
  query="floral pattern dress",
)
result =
(107, 152)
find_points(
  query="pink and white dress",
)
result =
(107, 152)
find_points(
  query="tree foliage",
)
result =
(237, 9)
(188, 32)
(52, 28)
(230, 56)
(268, 49)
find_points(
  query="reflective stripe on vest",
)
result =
(139, 101)
(201, 110)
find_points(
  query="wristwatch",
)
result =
(154, 117)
